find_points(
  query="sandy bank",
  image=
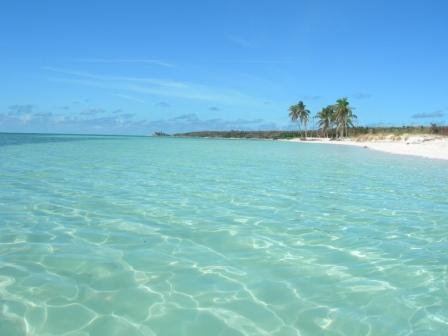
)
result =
(423, 146)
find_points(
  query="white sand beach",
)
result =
(433, 147)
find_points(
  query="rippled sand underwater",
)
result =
(161, 236)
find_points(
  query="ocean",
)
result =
(114, 235)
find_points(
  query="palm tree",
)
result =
(304, 115)
(326, 119)
(294, 113)
(299, 112)
(343, 116)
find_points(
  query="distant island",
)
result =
(335, 121)
(336, 126)
(160, 133)
(360, 132)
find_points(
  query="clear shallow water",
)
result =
(160, 236)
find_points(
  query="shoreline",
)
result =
(420, 146)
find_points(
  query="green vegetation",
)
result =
(337, 118)
(325, 121)
(160, 133)
(298, 112)
(235, 134)
(355, 132)
(334, 121)
(343, 116)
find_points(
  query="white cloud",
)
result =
(131, 98)
(141, 61)
(156, 86)
(427, 115)
(240, 41)
(361, 95)
(117, 121)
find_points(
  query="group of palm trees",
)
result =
(333, 120)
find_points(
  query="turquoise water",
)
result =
(161, 236)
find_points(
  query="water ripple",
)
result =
(142, 236)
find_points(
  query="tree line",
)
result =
(333, 120)
(354, 132)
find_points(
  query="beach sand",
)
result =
(424, 146)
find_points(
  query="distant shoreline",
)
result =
(421, 146)
(431, 146)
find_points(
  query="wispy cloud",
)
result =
(240, 41)
(163, 104)
(154, 86)
(23, 113)
(311, 97)
(21, 109)
(428, 115)
(192, 122)
(124, 60)
(214, 108)
(361, 95)
(254, 61)
(188, 117)
(117, 121)
(82, 101)
(131, 98)
(93, 111)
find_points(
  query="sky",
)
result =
(135, 67)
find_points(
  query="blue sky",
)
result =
(133, 67)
